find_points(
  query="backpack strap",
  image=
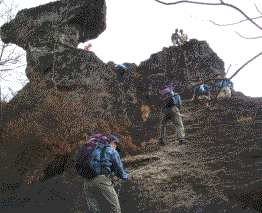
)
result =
(102, 155)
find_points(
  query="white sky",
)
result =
(138, 28)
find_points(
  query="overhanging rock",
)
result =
(35, 25)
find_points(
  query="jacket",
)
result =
(110, 164)
(202, 90)
(224, 83)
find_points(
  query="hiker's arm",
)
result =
(193, 96)
(118, 168)
(208, 91)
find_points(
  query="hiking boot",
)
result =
(183, 141)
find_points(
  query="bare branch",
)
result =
(228, 69)
(213, 4)
(257, 8)
(245, 65)
(4, 70)
(173, 3)
(246, 37)
(223, 25)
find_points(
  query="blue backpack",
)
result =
(171, 98)
(202, 90)
(83, 162)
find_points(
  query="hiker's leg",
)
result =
(227, 92)
(178, 123)
(89, 191)
(109, 199)
(163, 125)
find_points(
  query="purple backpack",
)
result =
(167, 92)
(83, 162)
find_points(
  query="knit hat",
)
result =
(113, 138)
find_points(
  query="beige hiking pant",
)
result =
(101, 195)
(173, 114)
(225, 92)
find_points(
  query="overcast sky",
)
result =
(138, 28)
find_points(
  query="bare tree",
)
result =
(221, 3)
(11, 56)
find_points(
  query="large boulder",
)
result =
(39, 26)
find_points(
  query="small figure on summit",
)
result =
(172, 106)
(176, 38)
(224, 87)
(87, 47)
(184, 37)
(202, 92)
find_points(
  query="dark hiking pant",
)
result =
(101, 195)
(174, 115)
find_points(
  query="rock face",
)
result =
(38, 26)
(48, 31)
(182, 65)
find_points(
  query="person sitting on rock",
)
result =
(172, 105)
(202, 92)
(176, 38)
(224, 88)
(87, 47)
(184, 37)
(100, 193)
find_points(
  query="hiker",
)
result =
(172, 105)
(121, 70)
(87, 47)
(224, 88)
(176, 38)
(202, 93)
(125, 80)
(105, 163)
(184, 37)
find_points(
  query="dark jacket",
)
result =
(202, 90)
(110, 164)
(224, 83)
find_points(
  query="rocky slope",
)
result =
(43, 125)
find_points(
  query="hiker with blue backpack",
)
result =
(171, 108)
(98, 162)
(224, 87)
(124, 78)
(202, 93)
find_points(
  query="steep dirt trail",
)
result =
(194, 177)
(197, 177)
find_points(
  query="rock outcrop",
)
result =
(40, 25)
(72, 93)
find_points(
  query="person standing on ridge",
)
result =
(176, 38)
(87, 47)
(202, 93)
(224, 87)
(125, 80)
(184, 37)
(172, 106)
(100, 193)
